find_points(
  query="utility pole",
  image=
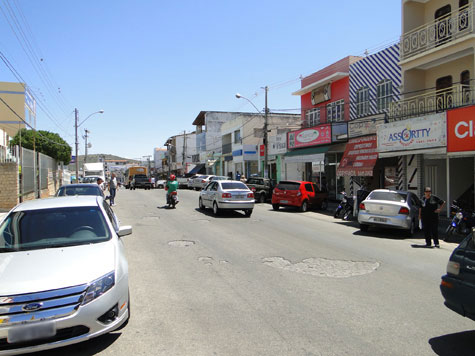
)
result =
(266, 171)
(184, 149)
(76, 114)
(86, 131)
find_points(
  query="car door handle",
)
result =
(471, 268)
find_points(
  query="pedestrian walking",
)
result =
(100, 183)
(238, 175)
(429, 215)
(112, 189)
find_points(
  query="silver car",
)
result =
(200, 182)
(64, 275)
(390, 208)
(227, 195)
(80, 189)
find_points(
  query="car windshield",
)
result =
(219, 178)
(390, 196)
(234, 185)
(288, 186)
(78, 190)
(48, 228)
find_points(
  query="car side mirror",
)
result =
(124, 230)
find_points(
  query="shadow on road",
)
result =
(391, 234)
(86, 348)
(223, 214)
(458, 344)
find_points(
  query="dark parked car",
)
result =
(261, 187)
(141, 181)
(303, 195)
(458, 285)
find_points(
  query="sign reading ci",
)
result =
(317, 135)
(461, 129)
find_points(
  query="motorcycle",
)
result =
(172, 199)
(339, 210)
(462, 222)
(348, 208)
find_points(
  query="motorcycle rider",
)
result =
(170, 187)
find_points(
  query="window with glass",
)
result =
(336, 111)
(312, 117)
(362, 101)
(237, 136)
(384, 94)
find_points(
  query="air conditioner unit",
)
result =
(321, 94)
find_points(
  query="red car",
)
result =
(303, 195)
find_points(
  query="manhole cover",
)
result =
(181, 243)
(324, 267)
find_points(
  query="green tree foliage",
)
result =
(48, 143)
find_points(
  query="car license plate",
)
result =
(284, 202)
(31, 332)
(380, 219)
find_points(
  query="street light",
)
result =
(239, 96)
(76, 125)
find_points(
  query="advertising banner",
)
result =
(419, 133)
(278, 144)
(461, 129)
(318, 135)
(364, 127)
(359, 158)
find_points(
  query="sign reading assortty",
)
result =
(422, 132)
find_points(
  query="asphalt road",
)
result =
(277, 283)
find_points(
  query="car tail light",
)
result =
(404, 211)
(362, 207)
(250, 195)
(203, 181)
(226, 195)
(453, 268)
(253, 189)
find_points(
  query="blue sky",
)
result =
(152, 65)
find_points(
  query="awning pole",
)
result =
(448, 186)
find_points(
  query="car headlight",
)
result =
(99, 287)
(459, 215)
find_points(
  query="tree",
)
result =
(48, 143)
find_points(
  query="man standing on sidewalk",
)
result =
(429, 214)
(112, 189)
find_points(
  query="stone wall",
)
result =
(9, 185)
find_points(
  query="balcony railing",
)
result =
(438, 32)
(433, 101)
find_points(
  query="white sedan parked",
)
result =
(227, 195)
(64, 275)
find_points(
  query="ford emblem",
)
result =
(32, 307)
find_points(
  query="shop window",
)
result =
(312, 117)
(362, 101)
(336, 111)
(442, 23)
(431, 177)
(384, 94)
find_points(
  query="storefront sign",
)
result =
(366, 126)
(359, 158)
(419, 133)
(278, 144)
(262, 150)
(318, 135)
(461, 129)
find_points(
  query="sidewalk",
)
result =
(443, 223)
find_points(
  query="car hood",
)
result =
(54, 268)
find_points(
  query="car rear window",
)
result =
(389, 196)
(78, 191)
(288, 186)
(234, 185)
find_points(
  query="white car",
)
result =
(201, 181)
(227, 195)
(63, 275)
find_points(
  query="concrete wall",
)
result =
(10, 185)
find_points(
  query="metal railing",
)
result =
(438, 32)
(433, 101)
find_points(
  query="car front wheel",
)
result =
(248, 212)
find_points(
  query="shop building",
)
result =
(437, 66)
(318, 146)
(374, 84)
